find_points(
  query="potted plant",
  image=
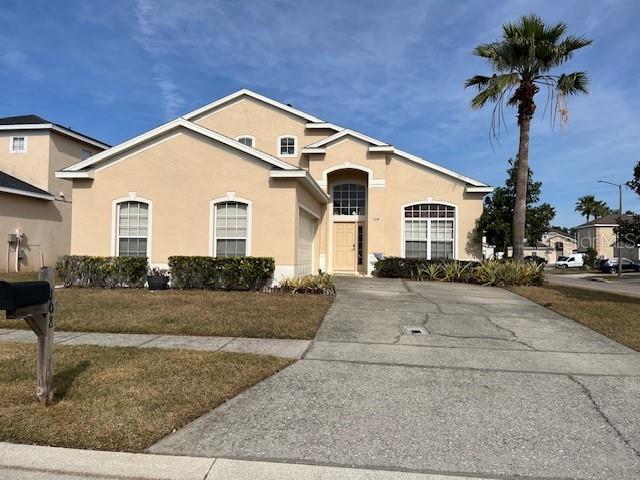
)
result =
(157, 279)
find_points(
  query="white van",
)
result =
(575, 260)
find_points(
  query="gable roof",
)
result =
(11, 184)
(257, 96)
(36, 122)
(316, 123)
(343, 133)
(80, 169)
(610, 220)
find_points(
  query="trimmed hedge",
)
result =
(490, 272)
(221, 273)
(110, 272)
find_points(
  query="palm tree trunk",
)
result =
(522, 180)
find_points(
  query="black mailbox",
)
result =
(23, 294)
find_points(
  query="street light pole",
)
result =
(619, 185)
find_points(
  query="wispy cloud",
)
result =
(172, 99)
(20, 63)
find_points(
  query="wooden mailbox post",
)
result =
(34, 302)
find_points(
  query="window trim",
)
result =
(132, 197)
(253, 140)
(212, 222)
(11, 150)
(435, 202)
(295, 146)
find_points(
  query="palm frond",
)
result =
(494, 89)
(573, 83)
(477, 81)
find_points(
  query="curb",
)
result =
(101, 463)
(142, 466)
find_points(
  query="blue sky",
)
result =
(392, 69)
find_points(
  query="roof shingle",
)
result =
(21, 188)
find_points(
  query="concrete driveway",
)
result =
(439, 378)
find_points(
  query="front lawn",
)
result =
(19, 276)
(616, 316)
(188, 312)
(119, 398)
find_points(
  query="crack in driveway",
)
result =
(597, 408)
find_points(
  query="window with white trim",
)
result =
(429, 231)
(84, 154)
(18, 144)
(287, 147)
(231, 229)
(132, 229)
(349, 199)
(247, 140)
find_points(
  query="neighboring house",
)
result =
(599, 234)
(35, 207)
(558, 244)
(247, 175)
(554, 244)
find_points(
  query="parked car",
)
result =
(535, 259)
(610, 265)
(573, 261)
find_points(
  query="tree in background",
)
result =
(521, 62)
(495, 221)
(629, 230)
(588, 206)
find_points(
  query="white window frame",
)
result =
(295, 146)
(359, 217)
(428, 220)
(253, 140)
(132, 197)
(212, 222)
(11, 150)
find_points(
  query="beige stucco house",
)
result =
(35, 206)
(247, 175)
(599, 234)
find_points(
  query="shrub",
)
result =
(110, 272)
(591, 258)
(490, 272)
(217, 273)
(398, 267)
(508, 273)
(323, 283)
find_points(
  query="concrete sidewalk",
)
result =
(27, 462)
(263, 346)
(629, 285)
(439, 378)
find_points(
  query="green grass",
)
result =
(616, 316)
(119, 398)
(187, 312)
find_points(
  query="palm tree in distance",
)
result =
(521, 62)
(586, 206)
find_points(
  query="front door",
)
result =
(344, 246)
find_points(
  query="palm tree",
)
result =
(521, 62)
(586, 206)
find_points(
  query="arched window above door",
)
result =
(349, 199)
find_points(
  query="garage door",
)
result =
(306, 233)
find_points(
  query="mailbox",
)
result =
(23, 294)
